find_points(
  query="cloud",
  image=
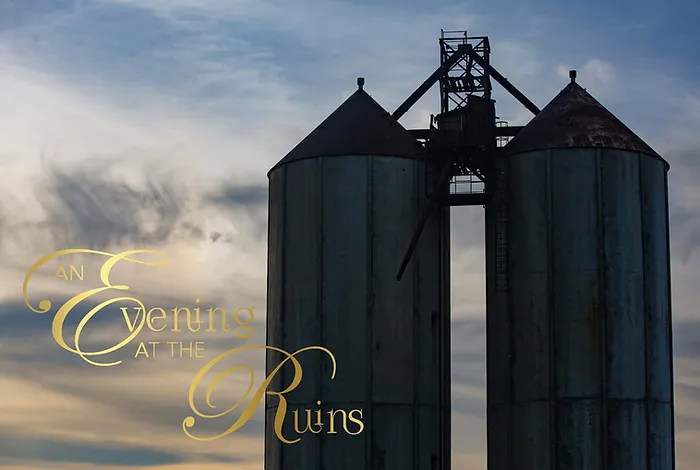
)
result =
(92, 206)
(242, 196)
(14, 448)
(199, 92)
(84, 209)
(596, 74)
(62, 402)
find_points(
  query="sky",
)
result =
(152, 124)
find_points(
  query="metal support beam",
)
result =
(508, 131)
(504, 82)
(469, 199)
(423, 89)
(504, 131)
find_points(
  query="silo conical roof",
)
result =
(360, 126)
(575, 119)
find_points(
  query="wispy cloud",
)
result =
(163, 138)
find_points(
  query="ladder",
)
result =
(501, 224)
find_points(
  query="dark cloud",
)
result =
(469, 352)
(469, 365)
(235, 195)
(686, 339)
(685, 231)
(686, 421)
(683, 214)
(242, 200)
(140, 401)
(30, 353)
(467, 227)
(14, 448)
(88, 206)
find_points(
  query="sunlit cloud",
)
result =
(162, 140)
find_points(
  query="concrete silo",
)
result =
(578, 299)
(343, 205)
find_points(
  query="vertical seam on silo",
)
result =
(604, 310)
(369, 446)
(268, 330)
(501, 215)
(271, 245)
(283, 284)
(416, 318)
(645, 311)
(553, 415)
(669, 322)
(445, 329)
(320, 177)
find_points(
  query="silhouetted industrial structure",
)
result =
(343, 205)
(578, 314)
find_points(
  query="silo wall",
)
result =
(580, 351)
(338, 230)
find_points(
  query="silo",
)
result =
(343, 205)
(579, 323)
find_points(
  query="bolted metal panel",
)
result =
(393, 312)
(275, 270)
(627, 437)
(345, 320)
(302, 276)
(579, 352)
(531, 423)
(661, 446)
(623, 259)
(579, 423)
(529, 261)
(498, 436)
(576, 308)
(301, 306)
(345, 202)
(656, 267)
(344, 222)
(274, 325)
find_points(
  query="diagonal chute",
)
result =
(433, 202)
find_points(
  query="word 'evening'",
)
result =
(158, 319)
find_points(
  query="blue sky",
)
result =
(130, 122)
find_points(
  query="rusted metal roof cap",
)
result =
(360, 126)
(575, 119)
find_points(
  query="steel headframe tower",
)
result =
(466, 77)
(463, 147)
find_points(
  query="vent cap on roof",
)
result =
(575, 119)
(360, 126)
